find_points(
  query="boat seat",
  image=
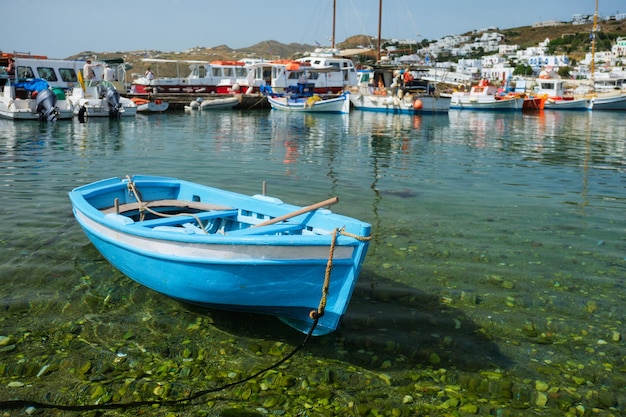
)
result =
(270, 229)
(181, 219)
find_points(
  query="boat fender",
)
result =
(418, 105)
(157, 101)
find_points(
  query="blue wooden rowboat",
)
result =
(224, 250)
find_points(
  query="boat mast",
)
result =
(334, 16)
(593, 47)
(380, 19)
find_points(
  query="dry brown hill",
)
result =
(569, 39)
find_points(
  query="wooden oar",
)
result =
(303, 210)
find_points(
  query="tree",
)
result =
(523, 69)
(565, 72)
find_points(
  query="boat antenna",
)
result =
(593, 47)
(380, 19)
(334, 16)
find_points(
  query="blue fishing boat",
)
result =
(224, 250)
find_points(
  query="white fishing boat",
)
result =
(608, 100)
(557, 97)
(100, 99)
(311, 104)
(326, 70)
(33, 100)
(59, 73)
(485, 96)
(390, 90)
(218, 77)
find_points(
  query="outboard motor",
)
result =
(113, 100)
(46, 105)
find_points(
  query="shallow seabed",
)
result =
(494, 284)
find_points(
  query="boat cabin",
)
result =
(222, 77)
(59, 73)
(553, 88)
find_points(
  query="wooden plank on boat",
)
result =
(182, 218)
(195, 205)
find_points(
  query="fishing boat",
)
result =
(391, 90)
(327, 70)
(311, 103)
(33, 100)
(607, 100)
(217, 77)
(60, 73)
(100, 99)
(485, 96)
(150, 106)
(557, 97)
(225, 250)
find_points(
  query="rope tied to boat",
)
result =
(143, 207)
(316, 314)
(353, 236)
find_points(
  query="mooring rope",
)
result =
(14, 404)
(314, 314)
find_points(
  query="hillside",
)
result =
(569, 39)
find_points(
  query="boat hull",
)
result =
(616, 102)
(339, 104)
(280, 275)
(466, 102)
(219, 103)
(149, 106)
(575, 104)
(396, 105)
(7, 113)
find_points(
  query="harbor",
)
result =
(412, 228)
(493, 284)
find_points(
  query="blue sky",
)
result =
(177, 25)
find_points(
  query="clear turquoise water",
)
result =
(499, 254)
